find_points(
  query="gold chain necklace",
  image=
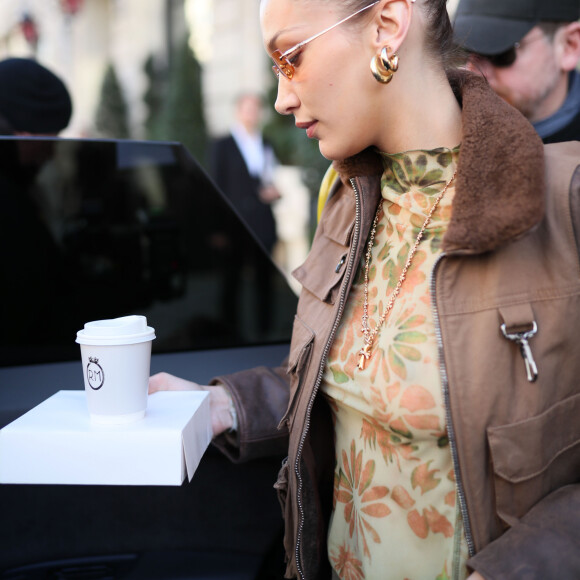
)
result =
(371, 334)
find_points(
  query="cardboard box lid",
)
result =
(56, 443)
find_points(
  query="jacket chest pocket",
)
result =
(534, 457)
(326, 263)
(298, 362)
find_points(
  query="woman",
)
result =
(430, 401)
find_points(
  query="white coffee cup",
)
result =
(116, 359)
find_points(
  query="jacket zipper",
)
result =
(450, 428)
(342, 301)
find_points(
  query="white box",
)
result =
(56, 443)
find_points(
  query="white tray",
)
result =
(56, 443)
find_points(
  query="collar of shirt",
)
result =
(251, 147)
(564, 115)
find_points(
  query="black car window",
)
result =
(93, 229)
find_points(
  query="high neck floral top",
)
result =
(395, 511)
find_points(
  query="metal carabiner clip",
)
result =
(521, 338)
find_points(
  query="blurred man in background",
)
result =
(528, 50)
(242, 164)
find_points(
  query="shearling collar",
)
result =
(499, 188)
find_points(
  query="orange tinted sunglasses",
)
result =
(282, 63)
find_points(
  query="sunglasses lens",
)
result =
(503, 59)
(281, 65)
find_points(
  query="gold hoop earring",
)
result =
(383, 67)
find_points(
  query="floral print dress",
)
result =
(395, 513)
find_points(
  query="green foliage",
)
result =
(111, 119)
(181, 117)
(153, 98)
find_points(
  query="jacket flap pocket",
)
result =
(300, 352)
(302, 338)
(323, 269)
(338, 219)
(550, 435)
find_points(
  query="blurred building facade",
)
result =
(78, 39)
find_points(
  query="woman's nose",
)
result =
(286, 100)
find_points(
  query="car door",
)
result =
(93, 229)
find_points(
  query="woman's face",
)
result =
(330, 94)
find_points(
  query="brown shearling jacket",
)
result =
(510, 257)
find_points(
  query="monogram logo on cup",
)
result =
(95, 374)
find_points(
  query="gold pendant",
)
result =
(365, 355)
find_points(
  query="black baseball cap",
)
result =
(493, 26)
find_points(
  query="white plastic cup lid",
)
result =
(116, 331)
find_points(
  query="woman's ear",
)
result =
(570, 46)
(391, 23)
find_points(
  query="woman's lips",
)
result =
(310, 126)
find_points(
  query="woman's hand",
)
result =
(219, 399)
(475, 576)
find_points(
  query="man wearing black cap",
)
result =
(528, 50)
(33, 100)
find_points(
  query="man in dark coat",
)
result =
(33, 102)
(242, 165)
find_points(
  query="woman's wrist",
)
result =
(232, 411)
(222, 409)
